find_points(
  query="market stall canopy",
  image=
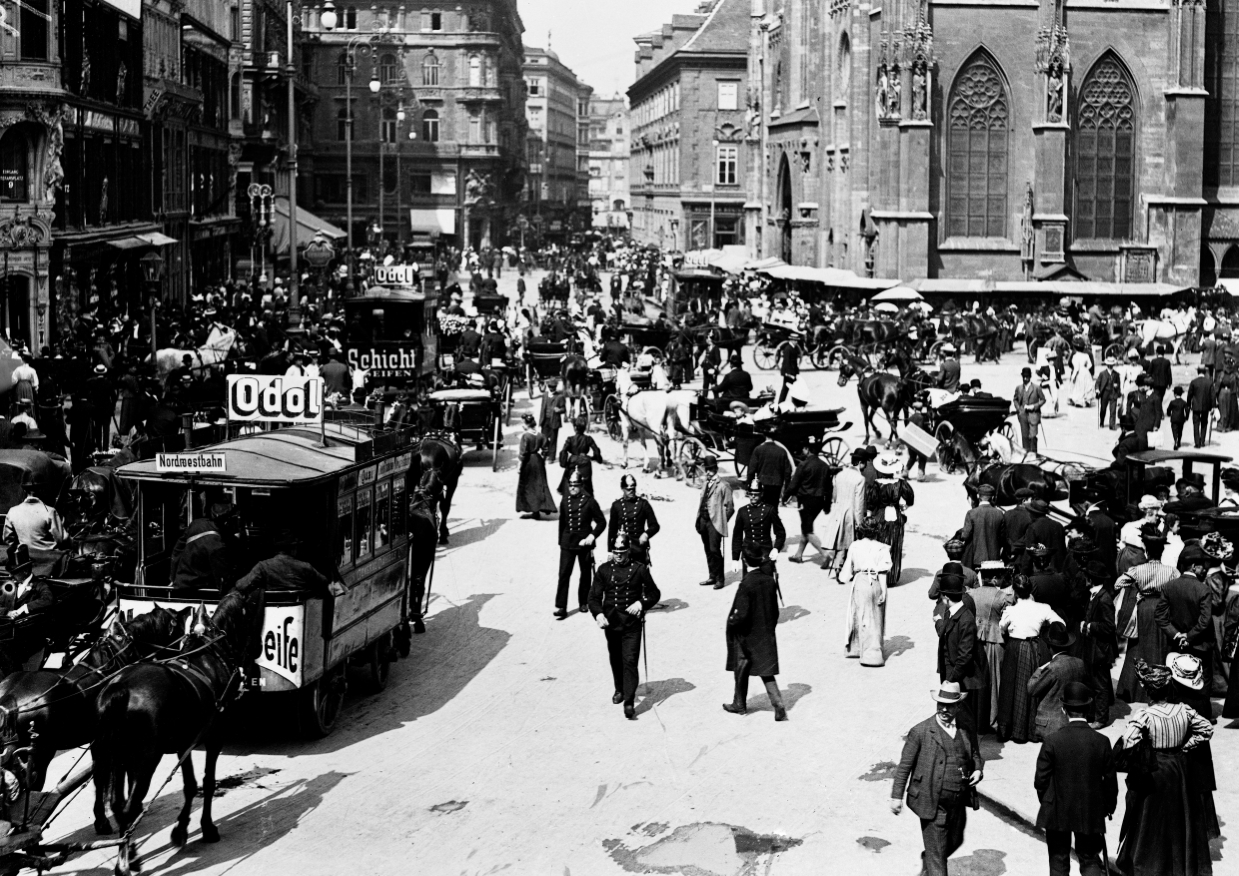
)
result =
(732, 260)
(1230, 284)
(836, 277)
(1053, 288)
(308, 225)
(898, 294)
(762, 264)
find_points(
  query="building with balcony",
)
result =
(608, 163)
(557, 109)
(438, 145)
(688, 147)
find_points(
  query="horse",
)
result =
(439, 455)
(1006, 478)
(981, 331)
(422, 529)
(879, 390)
(1173, 327)
(51, 710)
(151, 709)
(212, 354)
(659, 414)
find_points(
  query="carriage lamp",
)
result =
(328, 17)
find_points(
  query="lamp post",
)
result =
(261, 202)
(152, 271)
(329, 19)
(294, 281)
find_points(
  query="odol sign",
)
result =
(275, 398)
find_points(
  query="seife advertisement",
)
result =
(275, 398)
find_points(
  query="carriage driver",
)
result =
(634, 517)
(31, 596)
(32, 523)
(736, 385)
(204, 556)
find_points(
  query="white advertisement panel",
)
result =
(275, 398)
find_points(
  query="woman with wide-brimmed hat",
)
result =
(885, 501)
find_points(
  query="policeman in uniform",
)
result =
(634, 516)
(580, 523)
(622, 593)
(758, 528)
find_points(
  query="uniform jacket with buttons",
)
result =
(757, 523)
(636, 517)
(579, 517)
(922, 767)
(616, 587)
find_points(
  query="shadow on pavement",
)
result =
(982, 862)
(792, 694)
(246, 831)
(911, 576)
(991, 748)
(655, 693)
(462, 537)
(895, 646)
(791, 613)
(669, 605)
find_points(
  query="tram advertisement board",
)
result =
(397, 275)
(275, 398)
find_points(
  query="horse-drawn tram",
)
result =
(342, 492)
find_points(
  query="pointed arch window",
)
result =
(978, 115)
(430, 69)
(1105, 152)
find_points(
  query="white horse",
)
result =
(213, 353)
(1173, 327)
(656, 413)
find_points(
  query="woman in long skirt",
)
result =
(885, 501)
(1023, 651)
(1166, 827)
(533, 495)
(866, 565)
(1149, 643)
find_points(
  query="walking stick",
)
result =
(1105, 854)
(430, 580)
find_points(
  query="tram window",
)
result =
(363, 520)
(344, 532)
(399, 511)
(382, 521)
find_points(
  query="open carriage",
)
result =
(724, 435)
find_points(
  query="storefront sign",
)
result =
(191, 463)
(275, 398)
(385, 363)
(396, 275)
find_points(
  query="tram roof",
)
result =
(1152, 457)
(279, 457)
(389, 293)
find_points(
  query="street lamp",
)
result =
(152, 272)
(328, 17)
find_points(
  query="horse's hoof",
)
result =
(180, 835)
(418, 626)
(103, 827)
(210, 833)
(443, 539)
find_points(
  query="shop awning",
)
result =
(834, 277)
(432, 220)
(308, 225)
(128, 242)
(1053, 288)
(157, 238)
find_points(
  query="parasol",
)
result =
(886, 307)
(898, 294)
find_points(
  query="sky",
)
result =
(594, 37)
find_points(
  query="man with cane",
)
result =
(623, 591)
(580, 524)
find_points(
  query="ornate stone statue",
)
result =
(85, 80)
(103, 202)
(122, 73)
(895, 110)
(882, 99)
(1054, 94)
(919, 97)
(1026, 226)
(477, 186)
(53, 172)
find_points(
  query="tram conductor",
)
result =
(622, 592)
(580, 523)
(633, 516)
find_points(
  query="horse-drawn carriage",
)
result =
(960, 424)
(490, 303)
(472, 416)
(724, 434)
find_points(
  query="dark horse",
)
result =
(51, 710)
(152, 709)
(1006, 478)
(440, 460)
(422, 528)
(879, 390)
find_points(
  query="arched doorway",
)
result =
(1230, 263)
(784, 219)
(15, 308)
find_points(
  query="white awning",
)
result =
(308, 225)
(157, 238)
(836, 277)
(435, 220)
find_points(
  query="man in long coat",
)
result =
(752, 647)
(713, 511)
(982, 532)
(1028, 401)
(1050, 679)
(1098, 643)
(1076, 784)
(960, 658)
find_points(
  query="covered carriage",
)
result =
(959, 425)
(472, 416)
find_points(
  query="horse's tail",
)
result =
(113, 711)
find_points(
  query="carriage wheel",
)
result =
(935, 349)
(611, 413)
(507, 402)
(496, 447)
(1113, 350)
(378, 663)
(1033, 346)
(946, 453)
(833, 451)
(322, 702)
(1007, 430)
(764, 355)
(655, 352)
(689, 461)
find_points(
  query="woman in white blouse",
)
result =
(1023, 652)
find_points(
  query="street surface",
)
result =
(496, 747)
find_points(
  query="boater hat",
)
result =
(948, 692)
(1185, 669)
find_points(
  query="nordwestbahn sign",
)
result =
(275, 398)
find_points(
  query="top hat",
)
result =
(19, 558)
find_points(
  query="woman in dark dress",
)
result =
(577, 453)
(889, 490)
(533, 495)
(1166, 828)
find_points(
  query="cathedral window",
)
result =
(1105, 152)
(977, 136)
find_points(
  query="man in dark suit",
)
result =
(1015, 522)
(948, 370)
(1098, 644)
(1049, 680)
(1159, 381)
(1077, 787)
(1103, 535)
(1191, 496)
(944, 768)
(982, 530)
(1108, 392)
(1028, 401)
(1047, 531)
(960, 657)
(1184, 613)
(1200, 400)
